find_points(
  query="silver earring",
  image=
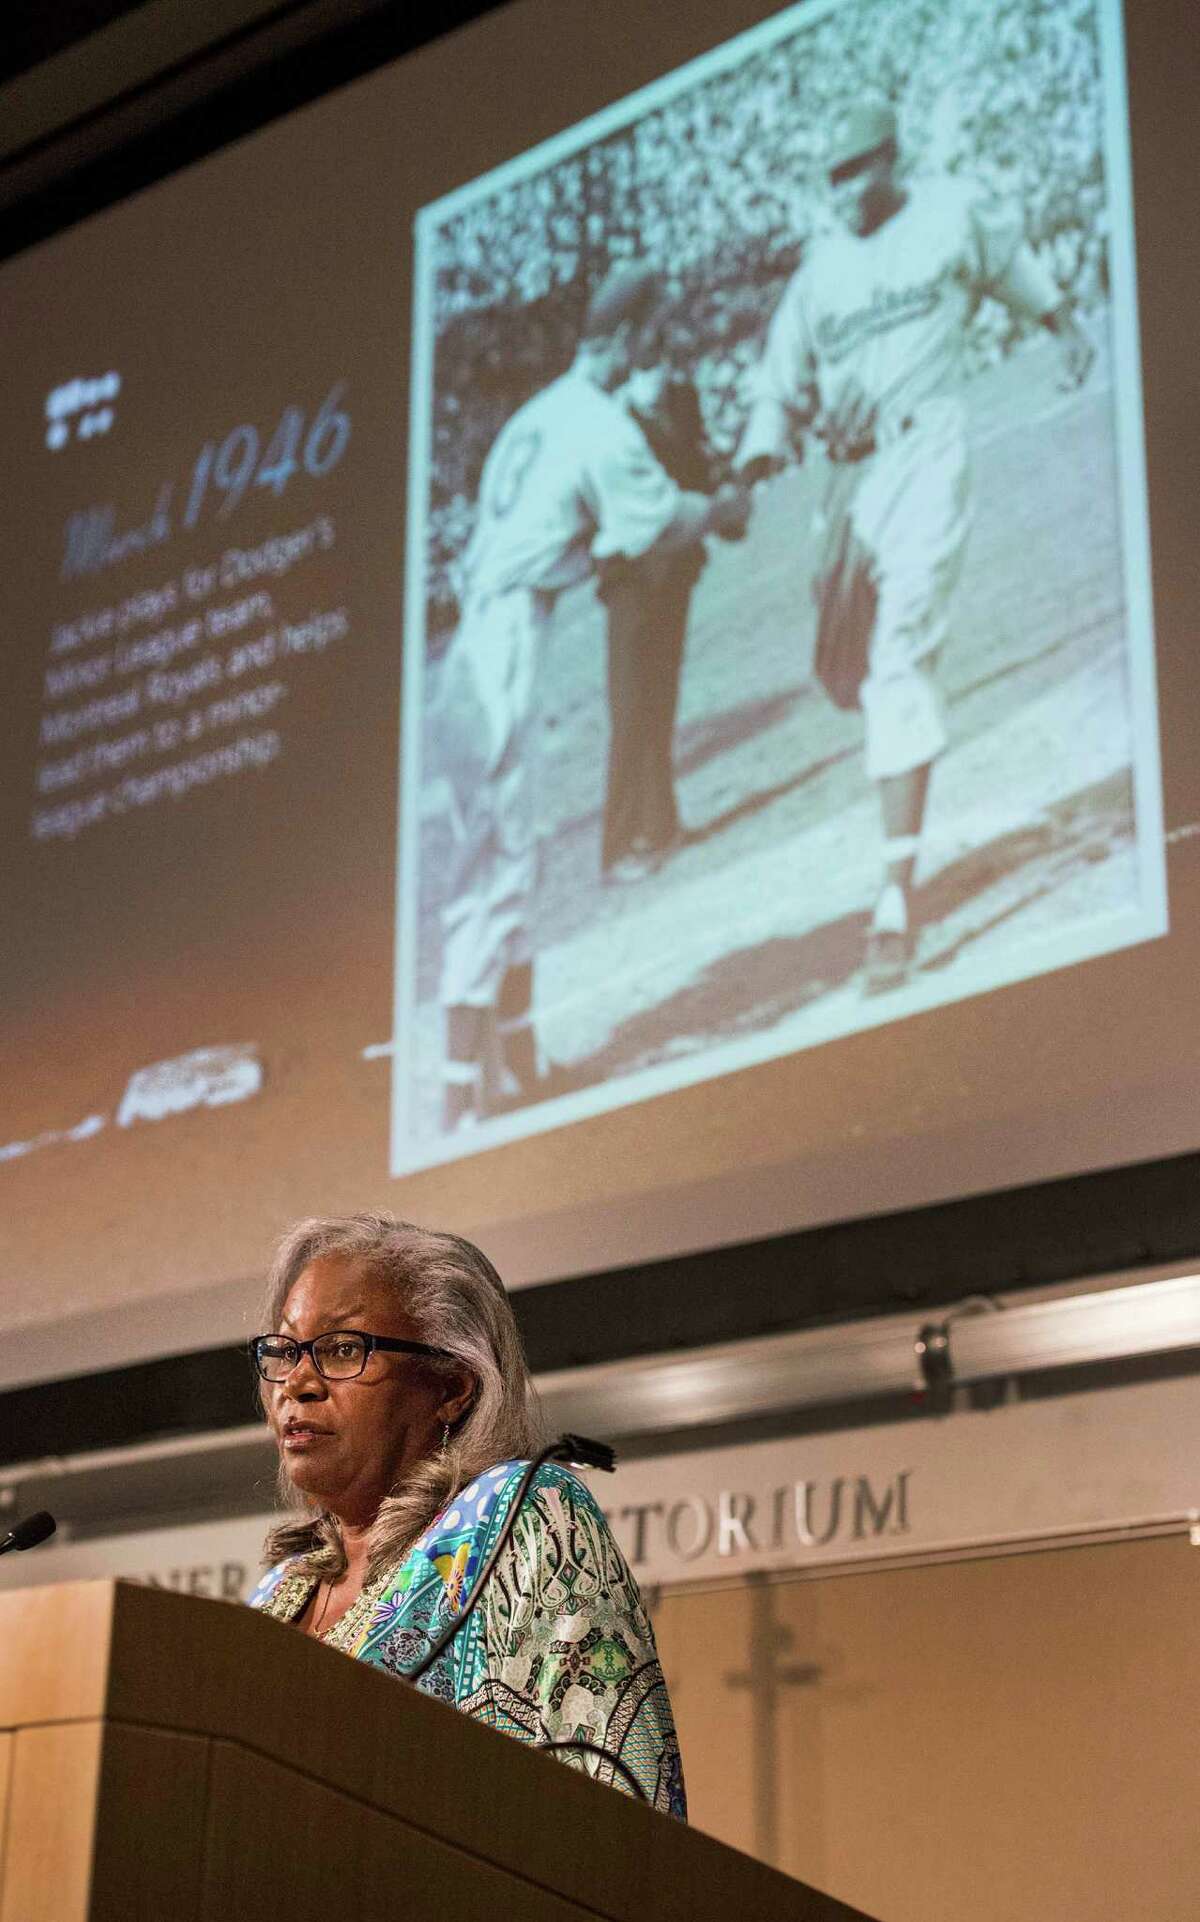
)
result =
(445, 1437)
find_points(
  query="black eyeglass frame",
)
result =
(389, 1343)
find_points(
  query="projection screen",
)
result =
(581, 664)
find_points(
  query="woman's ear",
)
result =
(459, 1395)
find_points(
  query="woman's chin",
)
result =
(307, 1480)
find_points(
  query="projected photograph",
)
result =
(778, 653)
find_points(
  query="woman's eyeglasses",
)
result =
(338, 1356)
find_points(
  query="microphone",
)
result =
(27, 1534)
(580, 1451)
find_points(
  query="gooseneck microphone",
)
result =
(581, 1452)
(27, 1534)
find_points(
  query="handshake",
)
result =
(845, 420)
(729, 510)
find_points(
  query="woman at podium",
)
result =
(394, 1381)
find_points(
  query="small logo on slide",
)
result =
(82, 403)
(206, 1078)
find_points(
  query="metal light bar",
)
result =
(1151, 1318)
(776, 1373)
(713, 1385)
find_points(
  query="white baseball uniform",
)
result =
(569, 482)
(888, 310)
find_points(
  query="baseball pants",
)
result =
(912, 511)
(487, 740)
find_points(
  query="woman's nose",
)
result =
(305, 1383)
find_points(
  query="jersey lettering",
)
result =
(889, 307)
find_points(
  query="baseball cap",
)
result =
(627, 292)
(868, 124)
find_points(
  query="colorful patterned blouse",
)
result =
(560, 1647)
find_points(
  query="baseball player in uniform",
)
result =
(866, 350)
(570, 483)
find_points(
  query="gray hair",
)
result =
(457, 1301)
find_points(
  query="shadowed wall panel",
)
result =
(1003, 1737)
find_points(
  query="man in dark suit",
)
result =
(647, 602)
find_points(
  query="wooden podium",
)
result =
(167, 1759)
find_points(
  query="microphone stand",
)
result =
(583, 1453)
